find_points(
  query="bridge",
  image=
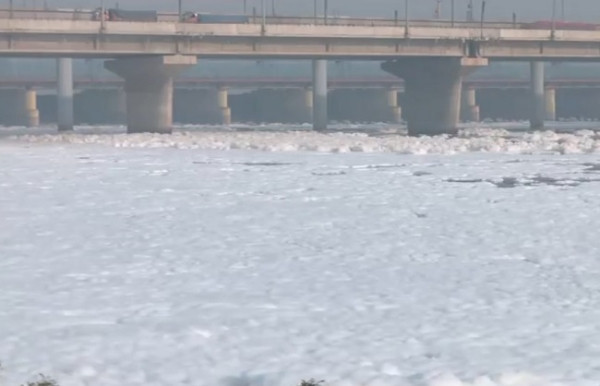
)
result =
(244, 83)
(431, 57)
(83, 38)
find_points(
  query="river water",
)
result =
(263, 257)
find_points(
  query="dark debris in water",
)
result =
(267, 163)
(513, 182)
(329, 173)
(466, 180)
(506, 182)
(385, 166)
(591, 168)
(420, 173)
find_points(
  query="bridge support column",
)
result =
(223, 101)
(149, 90)
(550, 103)
(29, 113)
(308, 103)
(392, 102)
(319, 109)
(433, 88)
(65, 94)
(538, 112)
(471, 108)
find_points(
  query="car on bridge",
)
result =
(195, 17)
(115, 14)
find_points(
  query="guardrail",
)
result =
(38, 14)
(378, 22)
(90, 14)
(171, 17)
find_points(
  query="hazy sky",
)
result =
(498, 9)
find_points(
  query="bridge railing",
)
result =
(90, 14)
(40, 14)
(377, 22)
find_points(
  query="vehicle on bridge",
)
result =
(562, 25)
(114, 14)
(195, 17)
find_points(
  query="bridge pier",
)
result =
(433, 88)
(19, 107)
(30, 114)
(550, 103)
(538, 112)
(320, 119)
(223, 102)
(471, 108)
(149, 90)
(393, 106)
(64, 70)
(308, 103)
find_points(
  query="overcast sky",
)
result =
(588, 10)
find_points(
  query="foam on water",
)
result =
(150, 267)
(274, 138)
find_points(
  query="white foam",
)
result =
(234, 268)
(470, 140)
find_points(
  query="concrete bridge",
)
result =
(198, 100)
(245, 83)
(432, 58)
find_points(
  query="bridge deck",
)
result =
(88, 38)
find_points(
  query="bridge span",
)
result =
(247, 83)
(430, 57)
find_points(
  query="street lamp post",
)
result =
(553, 33)
(179, 9)
(406, 18)
(264, 15)
(470, 11)
(102, 16)
(482, 17)
(452, 13)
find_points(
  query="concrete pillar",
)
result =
(19, 107)
(308, 102)
(29, 114)
(65, 93)
(538, 112)
(149, 90)
(470, 104)
(223, 102)
(392, 102)
(550, 104)
(31, 110)
(320, 119)
(433, 88)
